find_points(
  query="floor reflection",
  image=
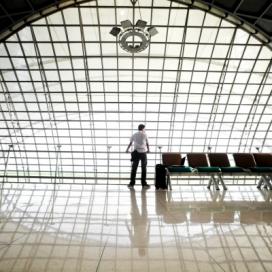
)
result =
(99, 228)
(140, 224)
(215, 210)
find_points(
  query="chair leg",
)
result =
(215, 183)
(210, 183)
(222, 182)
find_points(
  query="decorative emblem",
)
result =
(132, 38)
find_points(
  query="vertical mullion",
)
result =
(162, 79)
(229, 94)
(118, 96)
(255, 103)
(204, 86)
(242, 96)
(132, 74)
(6, 121)
(147, 80)
(179, 72)
(218, 94)
(90, 102)
(147, 71)
(103, 76)
(16, 127)
(179, 68)
(28, 114)
(47, 95)
(63, 96)
(177, 86)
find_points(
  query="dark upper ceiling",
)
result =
(14, 14)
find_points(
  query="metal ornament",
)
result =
(132, 45)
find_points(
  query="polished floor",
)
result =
(99, 228)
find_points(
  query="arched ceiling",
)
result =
(257, 15)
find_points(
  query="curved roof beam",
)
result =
(16, 16)
(255, 19)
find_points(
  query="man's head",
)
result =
(141, 127)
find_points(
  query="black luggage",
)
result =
(160, 177)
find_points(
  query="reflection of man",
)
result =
(139, 233)
(141, 147)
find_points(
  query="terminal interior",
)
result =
(71, 97)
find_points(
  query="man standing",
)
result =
(141, 147)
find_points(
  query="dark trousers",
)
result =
(143, 158)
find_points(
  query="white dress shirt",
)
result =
(140, 141)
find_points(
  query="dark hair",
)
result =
(141, 127)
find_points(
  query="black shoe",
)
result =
(130, 186)
(146, 186)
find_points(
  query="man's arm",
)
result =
(129, 146)
(147, 145)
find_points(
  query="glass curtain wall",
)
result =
(71, 97)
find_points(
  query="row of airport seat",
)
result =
(217, 165)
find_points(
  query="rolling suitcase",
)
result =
(160, 177)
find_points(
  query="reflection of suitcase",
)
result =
(160, 177)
